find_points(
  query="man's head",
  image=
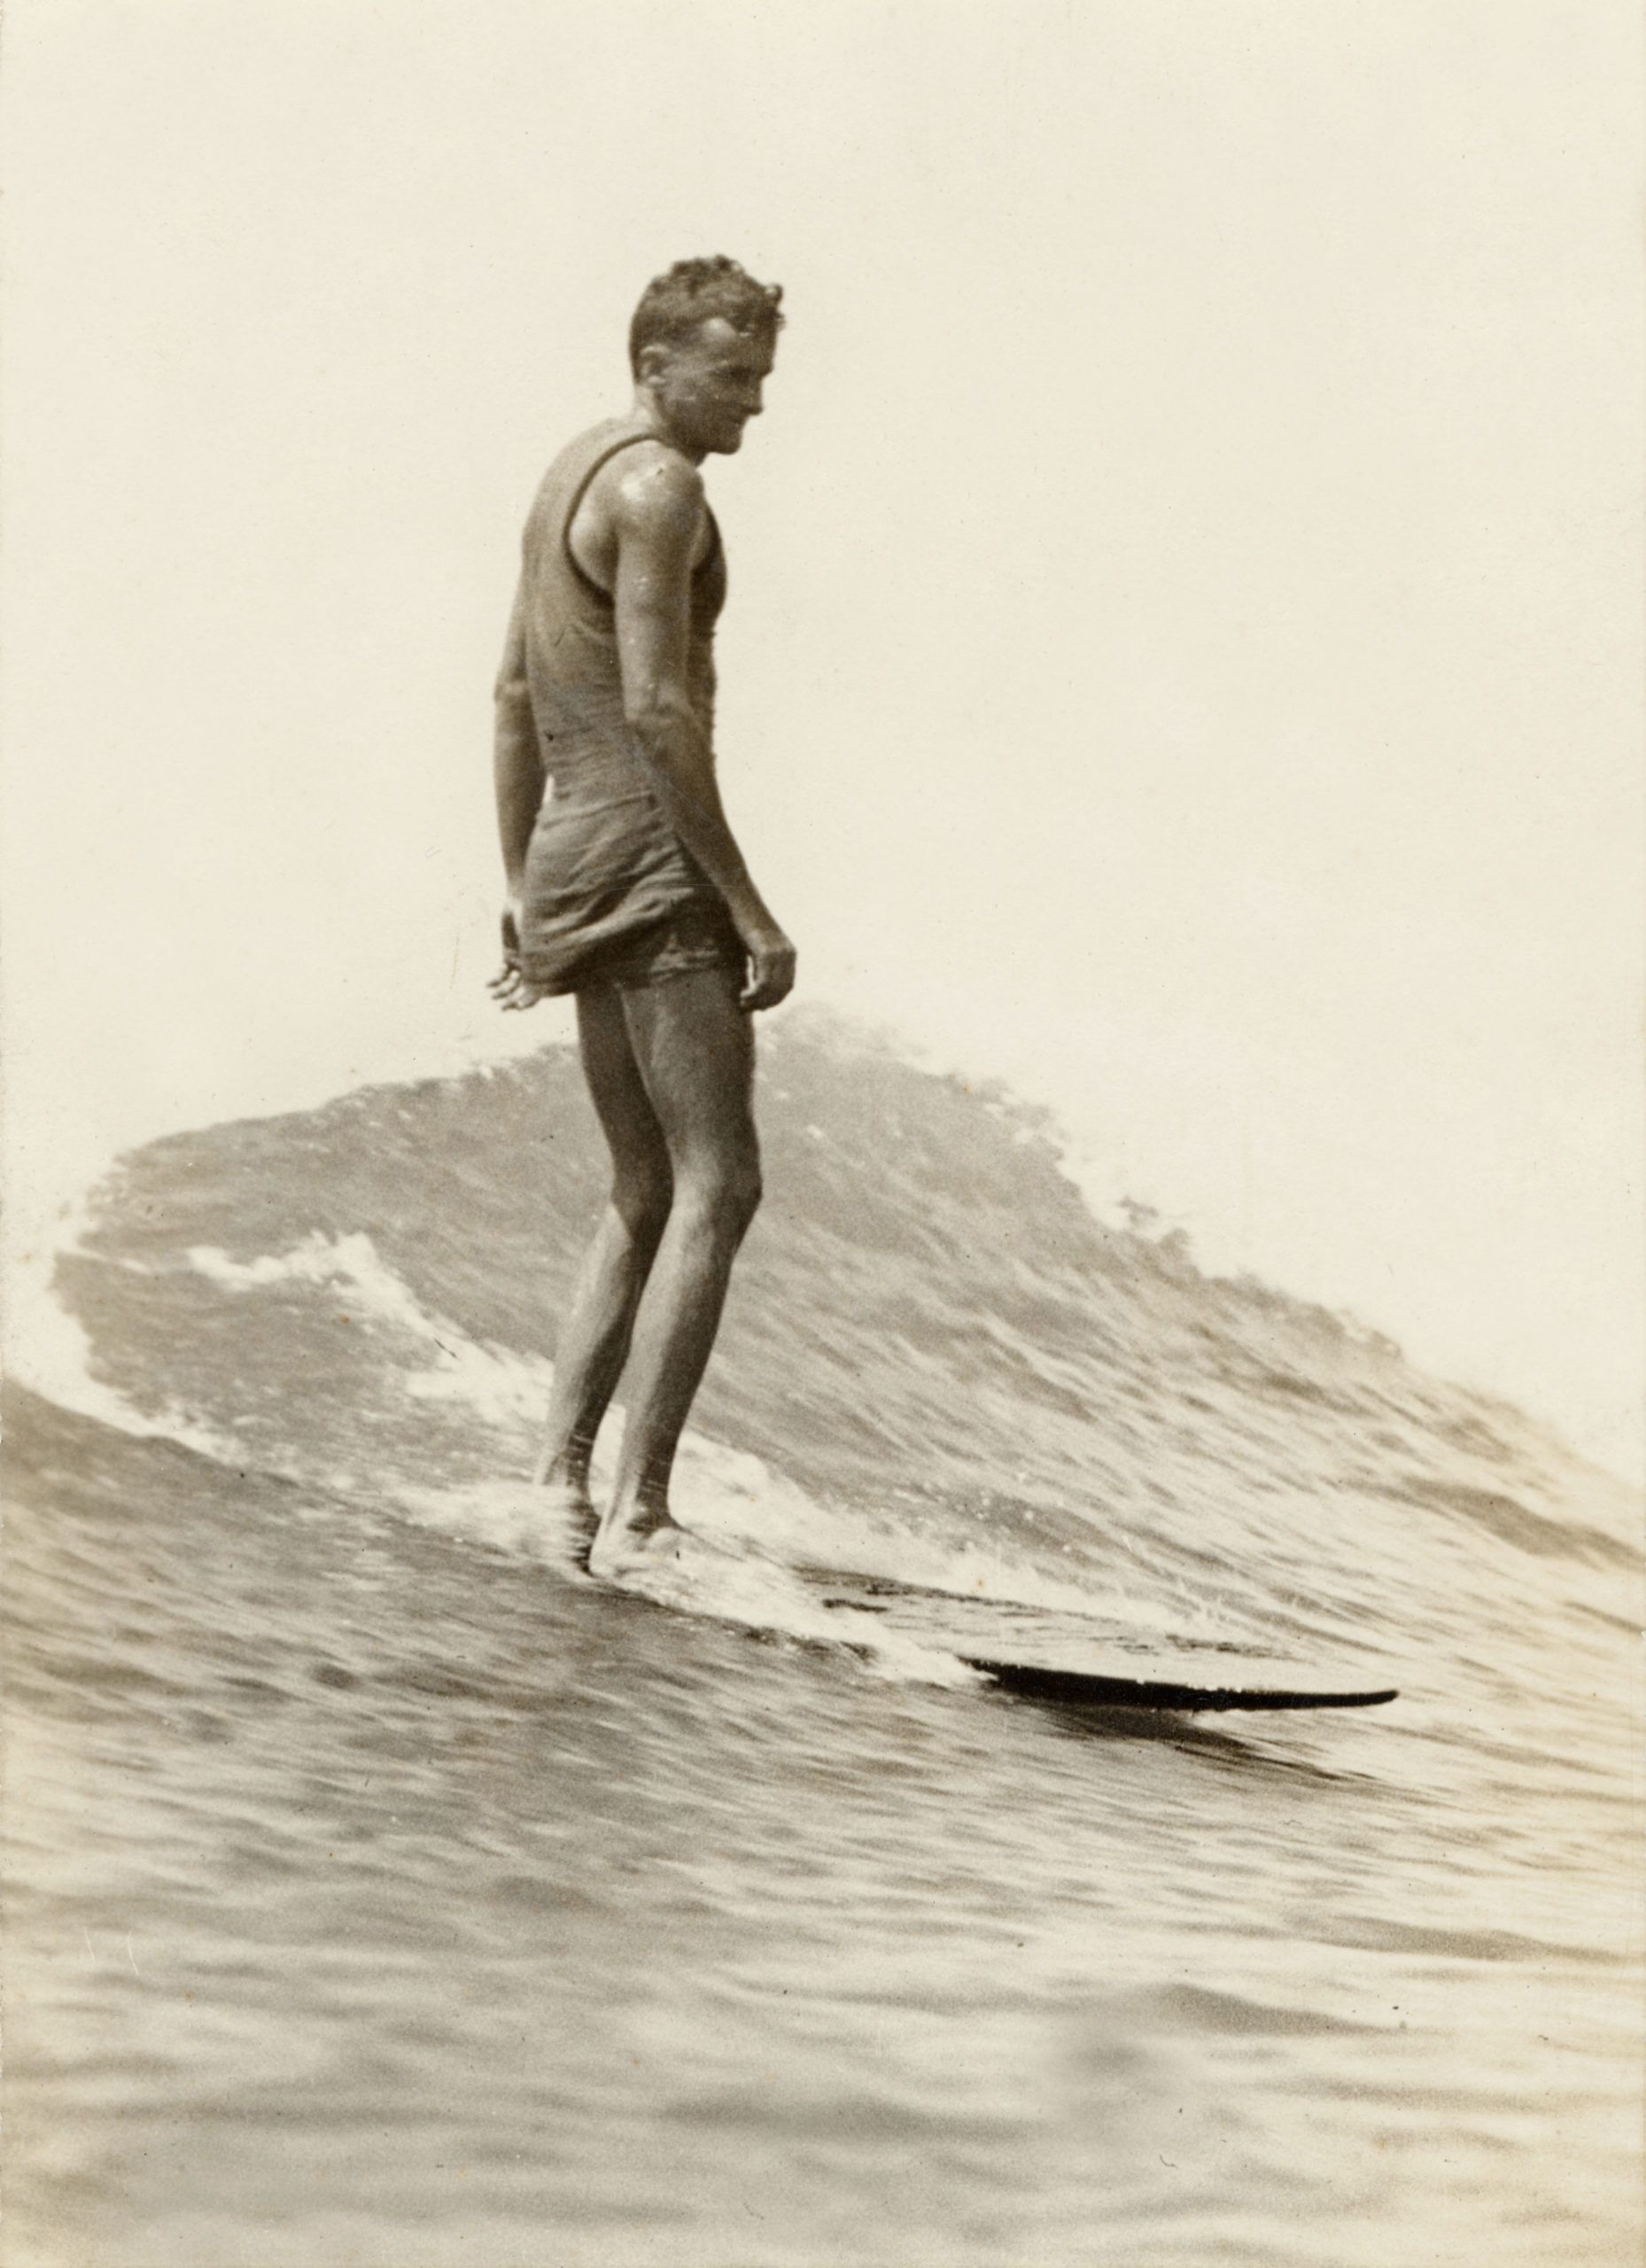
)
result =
(703, 339)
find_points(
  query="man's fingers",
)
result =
(511, 989)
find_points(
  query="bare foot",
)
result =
(568, 1511)
(625, 1547)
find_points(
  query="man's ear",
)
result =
(654, 361)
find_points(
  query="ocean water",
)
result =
(384, 1895)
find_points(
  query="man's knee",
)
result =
(727, 1190)
(641, 1203)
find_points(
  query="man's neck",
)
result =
(649, 411)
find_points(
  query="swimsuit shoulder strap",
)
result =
(604, 456)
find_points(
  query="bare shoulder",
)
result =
(655, 493)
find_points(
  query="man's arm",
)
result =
(519, 779)
(658, 516)
(517, 760)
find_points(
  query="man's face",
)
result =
(709, 387)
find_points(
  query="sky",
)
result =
(1183, 652)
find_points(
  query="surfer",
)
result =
(625, 885)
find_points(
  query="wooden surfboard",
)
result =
(1061, 1657)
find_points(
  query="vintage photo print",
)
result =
(823, 1114)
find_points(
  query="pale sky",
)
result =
(1184, 642)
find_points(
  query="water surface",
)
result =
(383, 1896)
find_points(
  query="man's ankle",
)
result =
(569, 1473)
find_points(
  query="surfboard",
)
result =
(1051, 1656)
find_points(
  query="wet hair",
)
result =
(674, 306)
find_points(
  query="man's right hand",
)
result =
(771, 967)
(511, 987)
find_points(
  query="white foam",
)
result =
(512, 1516)
(704, 1578)
(501, 1386)
(759, 1594)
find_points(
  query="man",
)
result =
(626, 888)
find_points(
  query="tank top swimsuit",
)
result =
(604, 866)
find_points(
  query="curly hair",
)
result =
(692, 292)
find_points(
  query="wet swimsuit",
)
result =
(611, 894)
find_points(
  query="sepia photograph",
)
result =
(825, 1266)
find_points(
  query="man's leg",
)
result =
(694, 1047)
(594, 1340)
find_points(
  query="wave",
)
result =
(937, 1364)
